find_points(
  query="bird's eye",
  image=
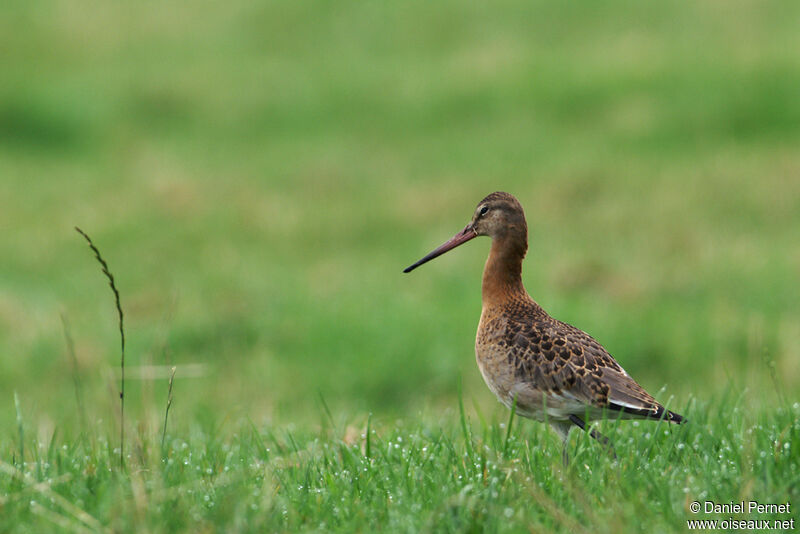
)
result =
(484, 210)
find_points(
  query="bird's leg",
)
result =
(562, 428)
(604, 441)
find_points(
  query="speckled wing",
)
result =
(566, 363)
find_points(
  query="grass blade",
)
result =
(76, 377)
(169, 404)
(464, 426)
(121, 317)
(20, 429)
(368, 443)
(510, 424)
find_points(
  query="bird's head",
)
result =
(498, 216)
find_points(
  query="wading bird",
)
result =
(547, 369)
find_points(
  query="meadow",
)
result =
(258, 175)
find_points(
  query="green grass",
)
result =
(419, 474)
(258, 174)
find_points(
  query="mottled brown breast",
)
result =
(491, 353)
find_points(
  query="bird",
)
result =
(542, 368)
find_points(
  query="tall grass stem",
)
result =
(169, 404)
(121, 319)
(76, 377)
(20, 429)
(464, 426)
(510, 424)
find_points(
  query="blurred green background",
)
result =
(257, 175)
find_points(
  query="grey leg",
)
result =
(562, 428)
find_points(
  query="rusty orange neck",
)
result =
(502, 275)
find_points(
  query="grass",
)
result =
(259, 174)
(419, 474)
(121, 319)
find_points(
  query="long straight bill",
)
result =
(460, 238)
